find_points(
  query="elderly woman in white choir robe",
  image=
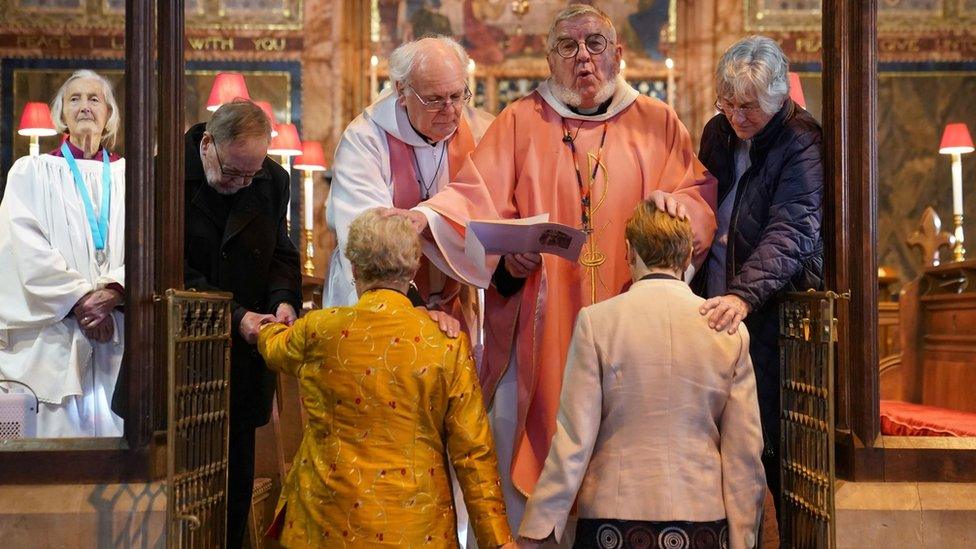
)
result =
(62, 267)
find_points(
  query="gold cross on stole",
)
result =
(592, 257)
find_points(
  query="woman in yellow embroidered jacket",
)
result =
(390, 399)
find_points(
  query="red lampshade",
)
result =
(266, 107)
(956, 139)
(312, 158)
(36, 120)
(227, 87)
(796, 90)
(286, 143)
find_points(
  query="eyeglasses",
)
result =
(729, 110)
(438, 103)
(568, 47)
(233, 174)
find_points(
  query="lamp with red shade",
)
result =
(311, 160)
(36, 122)
(266, 107)
(227, 87)
(796, 90)
(956, 142)
(286, 145)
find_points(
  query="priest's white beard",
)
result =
(573, 98)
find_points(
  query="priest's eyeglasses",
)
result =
(729, 110)
(568, 47)
(234, 174)
(435, 104)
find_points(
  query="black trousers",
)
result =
(240, 484)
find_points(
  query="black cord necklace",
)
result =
(425, 187)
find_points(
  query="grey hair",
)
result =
(754, 66)
(237, 119)
(573, 11)
(382, 249)
(111, 125)
(409, 56)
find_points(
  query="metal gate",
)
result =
(807, 354)
(198, 339)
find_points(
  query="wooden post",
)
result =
(850, 223)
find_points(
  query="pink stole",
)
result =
(406, 195)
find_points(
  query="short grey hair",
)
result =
(407, 57)
(111, 125)
(383, 249)
(754, 66)
(573, 11)
(239, 118)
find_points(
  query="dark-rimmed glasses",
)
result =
(233, 174)
(729, 110)
(439, 103)
(568, 47)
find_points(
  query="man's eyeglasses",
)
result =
(729, 110)
(568, 47)
(234, 174)
(438, 103)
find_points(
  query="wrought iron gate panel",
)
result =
(807, 354)
(198, 339)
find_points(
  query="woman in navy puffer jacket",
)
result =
(767, 154)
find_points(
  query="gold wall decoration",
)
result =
(893, 15)
(26, 15)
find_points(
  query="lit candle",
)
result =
(956, 184)
(669, 63)
(309, 220)
(373, 81)
(623, 65)
(471, 83)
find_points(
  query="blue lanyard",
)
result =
(99, 228)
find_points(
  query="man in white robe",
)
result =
(52, 338)
(401, 150)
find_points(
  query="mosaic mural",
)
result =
(492, 32)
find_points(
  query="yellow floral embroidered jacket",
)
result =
(390, 399)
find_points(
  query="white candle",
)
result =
(669, 63)
(471, 83)
(286, 164)
(373, 81)
(956, 184)
(309, 219)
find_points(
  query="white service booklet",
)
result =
(530, 234)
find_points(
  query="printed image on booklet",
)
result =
(531, 234)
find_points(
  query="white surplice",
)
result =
(362, 177)
(47, 263)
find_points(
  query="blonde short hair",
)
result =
(383, 249)
(237, 119)
(111, 125)
(660, 240)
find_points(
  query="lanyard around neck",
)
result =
(99, 226)
(584, 189)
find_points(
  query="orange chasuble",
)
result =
(523, 167)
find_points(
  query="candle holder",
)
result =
(958, 251)
(312, 160)
(956, 142)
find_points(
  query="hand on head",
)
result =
(417, 219)
(666, 202)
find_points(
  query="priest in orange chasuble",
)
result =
(584, 147)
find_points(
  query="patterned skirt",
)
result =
(642, 534)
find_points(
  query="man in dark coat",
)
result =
(237, 241)
(767, 155)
